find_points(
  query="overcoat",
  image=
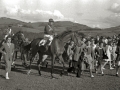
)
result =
(9, 50)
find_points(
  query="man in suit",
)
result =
(8, 53)
(100, 52)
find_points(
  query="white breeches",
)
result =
(49, 36)
(5, 37)
(46, 37)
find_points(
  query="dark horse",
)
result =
(1, 53)
(20, 45)
(55, 50)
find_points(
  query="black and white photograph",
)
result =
(59, 44)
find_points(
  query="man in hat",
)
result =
(48, 37)
(48, 33)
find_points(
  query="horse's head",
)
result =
(18, 38)
(77, 38)
(21, 36)
(70, 35)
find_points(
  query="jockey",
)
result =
(48, 33)
(9, 32)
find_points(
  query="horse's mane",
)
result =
(17, 33)
(64, 34)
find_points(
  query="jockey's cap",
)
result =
(51, 20)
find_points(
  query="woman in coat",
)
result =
(100, 53)
(109, 53)
(8, 53)
(88, 55)
(70, 52)
(76, 57)
(118, 58)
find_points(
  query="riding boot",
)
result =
(70, 63)
(47, 45)
(0, 65)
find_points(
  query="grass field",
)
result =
(19, 80)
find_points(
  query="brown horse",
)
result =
(20, 45)
(55, 50)
(17, 39)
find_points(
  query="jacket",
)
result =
(49, 30)
(9, 51)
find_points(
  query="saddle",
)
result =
(44, 43)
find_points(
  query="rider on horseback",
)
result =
(48, 34)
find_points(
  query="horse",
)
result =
(21, 46)
(1, 53)
(25, 52)
(56, 49)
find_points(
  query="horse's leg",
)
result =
(39, 63)
(79, 69)
(52, 65)
(44, 57)
(21, 52)
(25, 59)
(13, 59)
(31, 60)
(61, 58)
(0, 59)
(15, 54)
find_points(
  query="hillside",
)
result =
(114, 29)
(60, 26)
(6, 21)
(38, 27)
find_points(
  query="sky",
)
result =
(93, 13)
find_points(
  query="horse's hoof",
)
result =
(14, 67)
(28, 73)
(61, 74)
(40, 73)
(102, 74)
(0, 66)
(68, 74)
(78, 76)
(52, 77)
(46, 64)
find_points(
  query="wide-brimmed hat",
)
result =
(51, 20)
